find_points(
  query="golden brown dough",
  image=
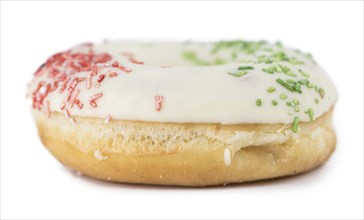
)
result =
(185, 154)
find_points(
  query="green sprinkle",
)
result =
(264, 59)
(309, 85)
(285, 70)
(259, 102)
(316, 100)
(218, 61)
(280, 56)
(285, 84)
(295, 124)
(298, 51)
(271, 69)
(316, 88)
(192, 57)
(274, 102)
(290, 73)
(234, 55)
(297, 88)
(241, 71)
(321, 92)
(311, 114)
(294, 61)
(309, 56)
(245, 68)
(238, 74)
(296, 109)
(295, 102)
(304, 73)
(289, 103)
(283, 96)
(304, 82)
(268, 49)
(279, 44)
(271, 89)
(249, 47)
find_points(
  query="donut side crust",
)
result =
(185, 154)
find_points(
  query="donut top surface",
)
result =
(227, 82)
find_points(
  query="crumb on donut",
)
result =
(227, 157)
(99, 156)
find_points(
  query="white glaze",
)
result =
(195, 94)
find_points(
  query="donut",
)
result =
(184, 113)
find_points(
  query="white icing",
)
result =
(197, 94)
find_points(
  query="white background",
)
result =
(35, 185)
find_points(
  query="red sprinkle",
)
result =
(73, 84)
(64, 86)
(40, 70)
(40, 84)
(54, 87)
(93, 104)
(127, 54)
(89, 81)
(53, 73)
(94, 70)
(125, 69)
(100, 78)
(115, 64)
(62, 77)
(102, 58)
(95, 97)
(87, 44)
(74, 97)
(39, 94)
(63, 105)
(158, 102)
(67, 114)
(79, 104)
(69, 95)
(113, 74)
(108, 119)
(60, 71)
(48, 110)
(135, 61)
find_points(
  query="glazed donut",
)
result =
(184, 113)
